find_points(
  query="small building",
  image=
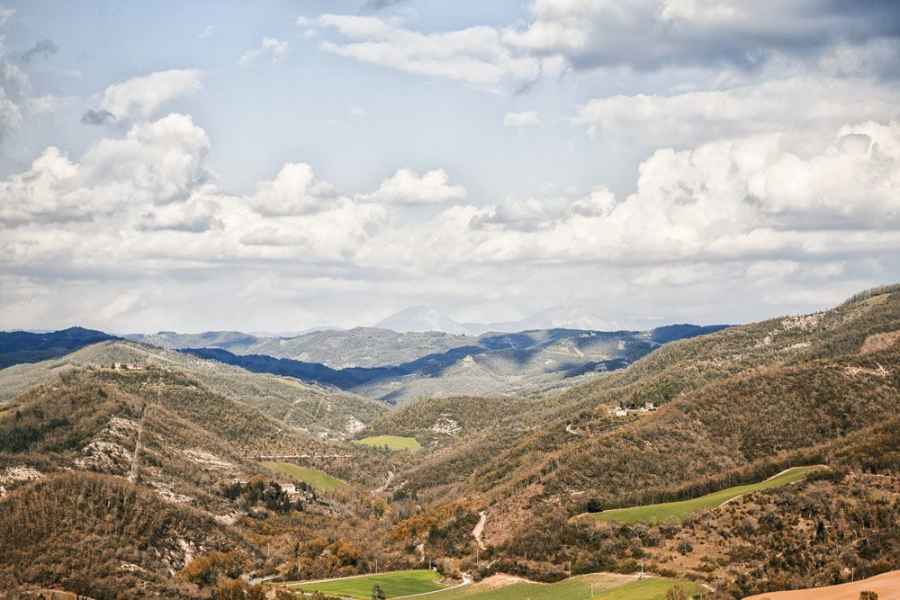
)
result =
(289, 487)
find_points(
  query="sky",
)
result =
(284, 165)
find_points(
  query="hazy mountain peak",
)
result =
(422, 318)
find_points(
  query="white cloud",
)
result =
(522, 119)
(696, 117)
(764, 210)
(154, 164)
(408, 187)
(207, 32)
(336, 234)
(142, 97)
(273, 48)
(296, 190)
(15, 87)
(639, 35)
(476, 55)
(751, 198)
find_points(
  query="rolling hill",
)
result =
(730, 408)
(700, 443)
(25, 347)
(322, 411)
(141, 477)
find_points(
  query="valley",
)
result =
(746, 460)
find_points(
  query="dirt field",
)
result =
(886, 585)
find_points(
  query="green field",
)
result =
(604, 587)
(394, 584)
(393, 442)
(678, 511)
(314, 477)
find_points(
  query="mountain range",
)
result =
(432, 364)
(156, 473)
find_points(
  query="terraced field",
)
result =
(393, 442)
(314, 477)
(394, 584)
(678, 511)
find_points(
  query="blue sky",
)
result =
(293, 164)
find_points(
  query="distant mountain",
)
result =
(491, 364)
(26, 347)
(422, 318)
(172, 340)
(337, 349)
(571, 316)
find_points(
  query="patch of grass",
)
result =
(394, 584)
(392, 442)
(314, 477)
(604, 587)
(678, 511)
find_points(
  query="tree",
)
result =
(378, 593)
(867, 595)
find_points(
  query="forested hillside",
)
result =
(243, 474)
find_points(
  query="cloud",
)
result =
(207, 32)
(154, 164)
(654, 34)
(408, 187)
(337, 233)
(41, 49)
(199, 213)
(140, 213)
(6, 14)
(273, 48)
(142, 97)
(760, 197)
(15, 87)
(476, 55)
(699, 116)
(296, 190)
(522, 119)
(719, 36)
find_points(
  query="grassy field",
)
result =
(314, 477)
(393, 442)
(604, 587)
(677, 511)
(394, 584)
